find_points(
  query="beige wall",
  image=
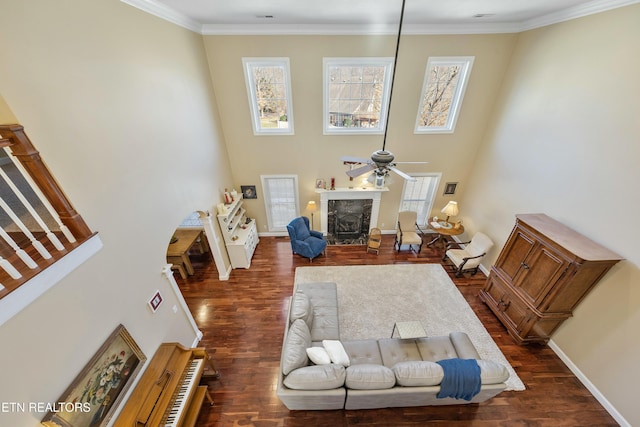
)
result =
(310, 154)
(122, 110)
(6, 115)
(120, 105)
(564, 141)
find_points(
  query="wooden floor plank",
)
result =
(243, 321)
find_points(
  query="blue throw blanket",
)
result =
(461, 379)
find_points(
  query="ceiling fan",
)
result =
(382, 161)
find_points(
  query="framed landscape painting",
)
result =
(95, 393)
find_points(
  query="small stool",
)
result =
(375, 239)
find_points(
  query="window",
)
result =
(356, 94)
(269, 90)
(445, 81)
(418, 195)
(280, 200)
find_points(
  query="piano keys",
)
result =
(185, 393)
(169, 391)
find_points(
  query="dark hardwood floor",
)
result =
(243, 321)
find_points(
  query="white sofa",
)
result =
(384, 372)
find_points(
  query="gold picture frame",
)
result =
(95, 393)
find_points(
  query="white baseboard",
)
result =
(589, 385)
(225, 275)
(273, 234)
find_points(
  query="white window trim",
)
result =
(267, 198)
(467, 63)
(346, 61)
(422, 221)
(247, 65)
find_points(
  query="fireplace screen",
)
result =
(348, 221)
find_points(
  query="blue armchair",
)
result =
(304, 241)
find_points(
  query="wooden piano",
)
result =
(169, 392)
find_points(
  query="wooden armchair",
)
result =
(406, 234)
(469, 257)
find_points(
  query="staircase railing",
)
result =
(38, 222)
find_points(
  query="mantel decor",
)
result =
(94, 394)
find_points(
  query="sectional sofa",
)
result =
(373, 373)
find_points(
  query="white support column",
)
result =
(168, 274)
(214, 244)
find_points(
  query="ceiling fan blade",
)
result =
(352, 159)
(402, 174)
(361, 170)
(411, 163)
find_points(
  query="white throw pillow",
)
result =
(336, 352)
(318, 355)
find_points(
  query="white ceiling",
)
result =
(369, 16)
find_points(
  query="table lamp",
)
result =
(450, 210)
(312, 207)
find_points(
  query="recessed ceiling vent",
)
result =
(265, 16)
(484, 15)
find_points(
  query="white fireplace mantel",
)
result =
(372, 193)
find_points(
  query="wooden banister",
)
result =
(15, 137)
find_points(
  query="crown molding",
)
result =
(296, 29)
(346, 30)
(591, 8)
(169, 14)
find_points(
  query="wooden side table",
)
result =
(445, 229)
(178, 252)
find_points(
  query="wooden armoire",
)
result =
(543, 272)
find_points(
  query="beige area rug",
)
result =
(372, 298)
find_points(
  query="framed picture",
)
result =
(320, 183)
(95, 393)
(249, 191)
(450, 188)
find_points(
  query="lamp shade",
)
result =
(451, 209)
(311, 206)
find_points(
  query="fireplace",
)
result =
(347, 214)
(348, 221)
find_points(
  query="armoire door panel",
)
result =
(539, 273)
(517, 250)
